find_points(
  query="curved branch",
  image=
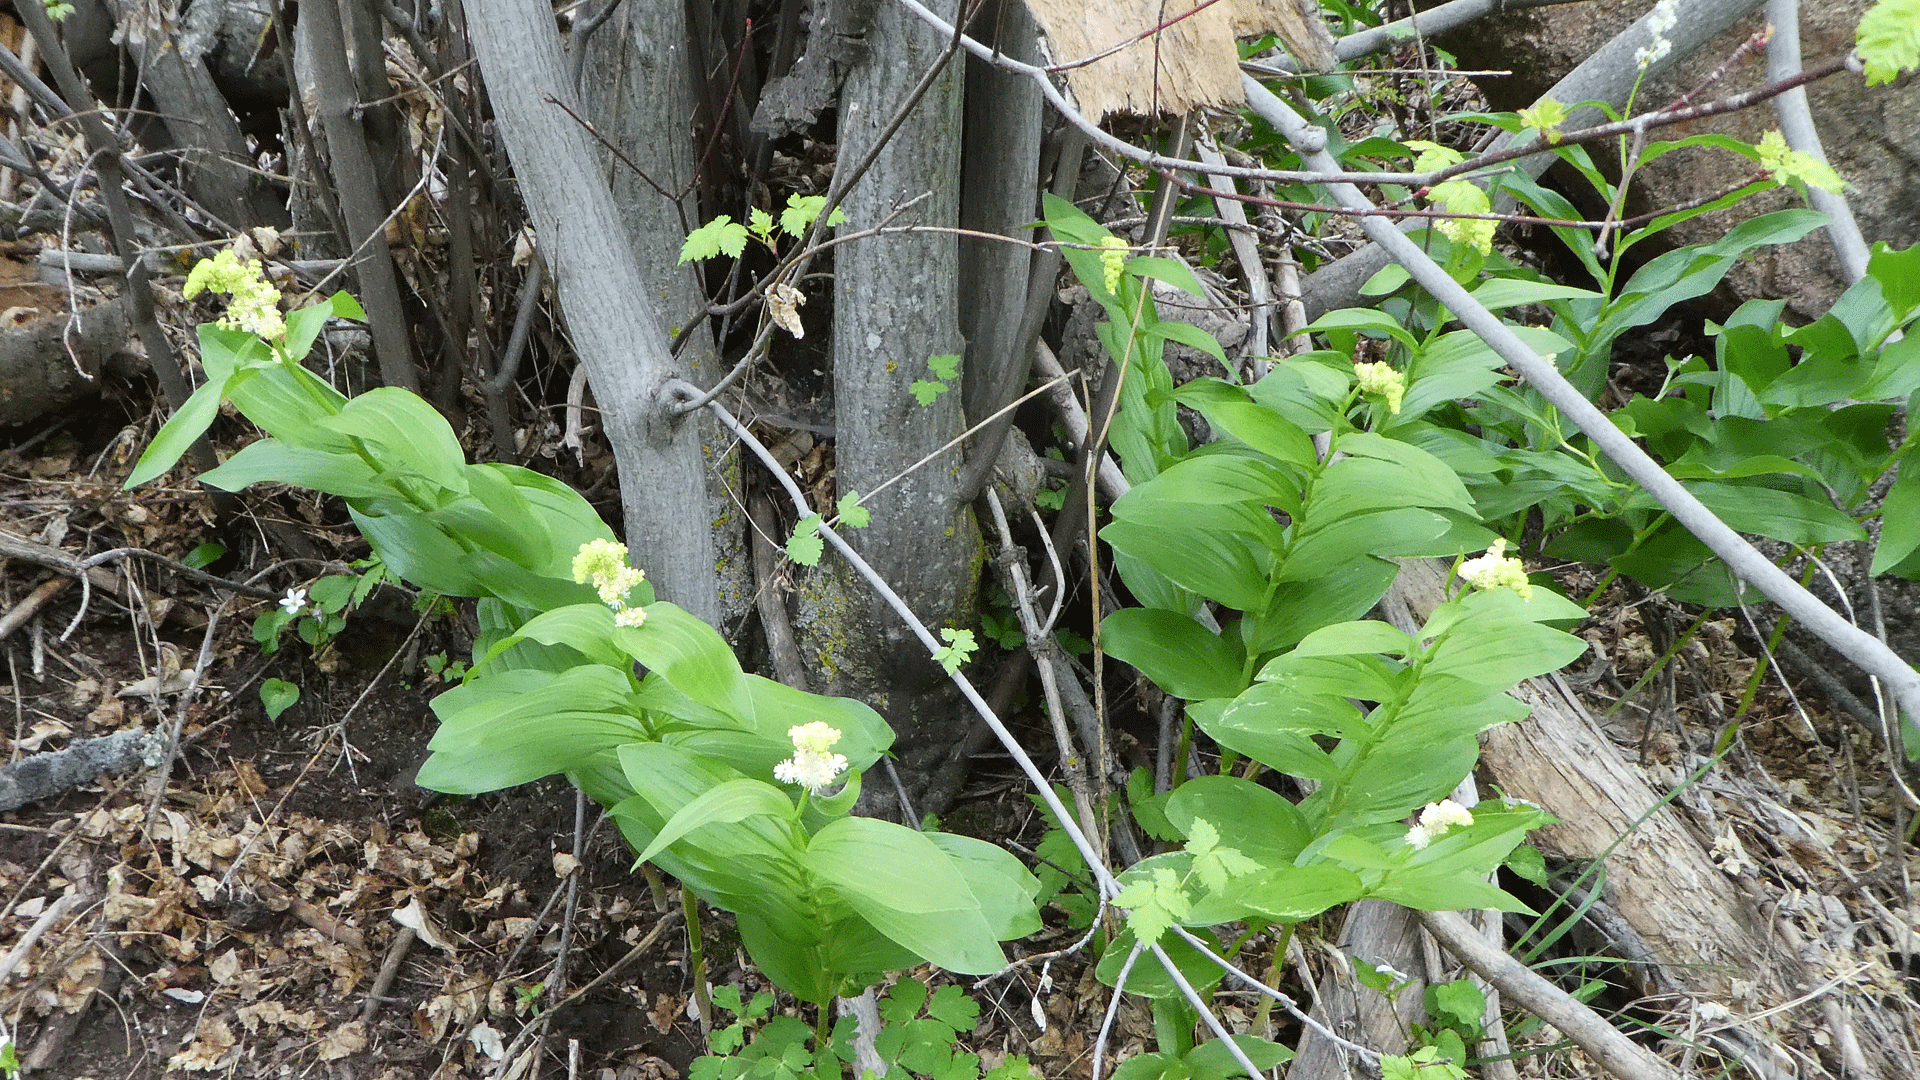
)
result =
(1796, 124)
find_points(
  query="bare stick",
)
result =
(1615, 1052)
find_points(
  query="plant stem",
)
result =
(1263, 1012)
(697, 960)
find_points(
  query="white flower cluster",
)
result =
(1663, 18)
(605, 564)
(1435, 820)
(813, 764)
(1494, 571)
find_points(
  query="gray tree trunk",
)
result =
(998, 196)
(895, 305)
(611, 312)
(639, 92)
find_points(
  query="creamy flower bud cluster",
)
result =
(1435, 820)
(254, 303)
(1381, 380)
(1494, 571)
(604, 563)
(813, 765)
(1113, 260)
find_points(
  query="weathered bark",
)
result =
(616, 328)
(334, 103)
(44, 366)
(220, 174)
(639, 90)
(895, 303)
(997, 195)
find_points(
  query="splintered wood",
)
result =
(1187, 45)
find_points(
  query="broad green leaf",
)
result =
(1899, 518)
(909, 889)
(1424, 891)
(1172, 271)
(586, 627)
(1148, 979)
(1496, 294)
(1291, 893)
(1191, 336)
(277, 461)
(304, 325)
(178, 433)
(1251, 819)
(1323, 549)
(1443, 487)
(419, 553)
(1182, 657)
(1004, 888)
(1213, 1061)
(1781, 515)
(1503, 654)
(412, 433)
(1363, 319)
(734, 800)
(277, 696)
(1217, 551)
(1227, 409)
(692, 656)
(1298, 608)
(1276, 728)
(519, 726)
(1349, 638)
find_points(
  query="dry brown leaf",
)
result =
(225, 968)
(212, 1042)
(784, 303)
(415, 918)
(348, 1038)
(253, 1016)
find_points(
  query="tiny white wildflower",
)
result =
(813, 765)
(294, 602)
(1435, 820)
(1494, 571)
(1663, 18)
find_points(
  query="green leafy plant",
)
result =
(725, 236)
(1889, 39)
(919, 1035)
(439, 666)
(721, 778)
(945, 369)
(1292, 546)
(806, 545)
(960, 647)
(277, 696)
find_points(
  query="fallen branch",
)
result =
(1516, 982)
(56, 772)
